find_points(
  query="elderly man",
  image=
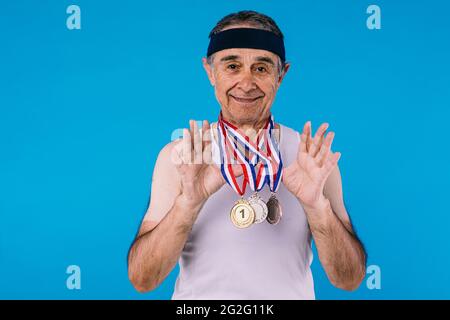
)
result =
(241, 224)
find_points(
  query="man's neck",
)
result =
(252, 130)
(247, 126)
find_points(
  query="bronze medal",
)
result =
(274, 210)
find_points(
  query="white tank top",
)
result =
(263, 261)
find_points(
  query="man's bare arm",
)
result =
(155, 253)
(184, 178)
(315, 180)
(341, 253)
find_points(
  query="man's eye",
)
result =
(261, 69)
(232, 66)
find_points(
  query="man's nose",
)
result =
(246, 83)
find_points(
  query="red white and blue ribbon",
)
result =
(275, 154)
(270, 170)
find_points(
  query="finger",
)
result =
(197, 144)
(305, 127)
(331, 162)
(191, 131)
(206, 133)
(237, 170)
(325, 148)
(308, 136)
(176, 153)
(303, 143)
(307, 133)
(318, 139)
(206, 139)
(187, 147)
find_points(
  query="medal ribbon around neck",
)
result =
(226, 165)
(270, 171)
(236, 139)
(275, 154)
(228, 144)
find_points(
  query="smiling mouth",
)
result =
(245, 100)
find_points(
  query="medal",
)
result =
(260, 208)
(273, 205)
(242, 214)
(231, 142)
(274, 210)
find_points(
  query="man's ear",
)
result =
(208, 70)
(285, 70)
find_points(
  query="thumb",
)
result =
(286, 171)
(237, 169)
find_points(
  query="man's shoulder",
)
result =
(288, 133)
(168, 155)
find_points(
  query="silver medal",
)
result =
(260, 208)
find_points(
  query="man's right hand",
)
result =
(200, 177)
(183, 179)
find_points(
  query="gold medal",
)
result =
(242, 214)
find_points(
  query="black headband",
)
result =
(247, 38)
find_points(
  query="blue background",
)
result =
(84, 113)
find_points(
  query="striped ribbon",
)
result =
(270, 170)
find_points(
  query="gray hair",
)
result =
(252, 18)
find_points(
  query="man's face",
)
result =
(245, 83)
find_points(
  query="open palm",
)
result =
(200, 176)
(306, 176)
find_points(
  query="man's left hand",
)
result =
(306, 176)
